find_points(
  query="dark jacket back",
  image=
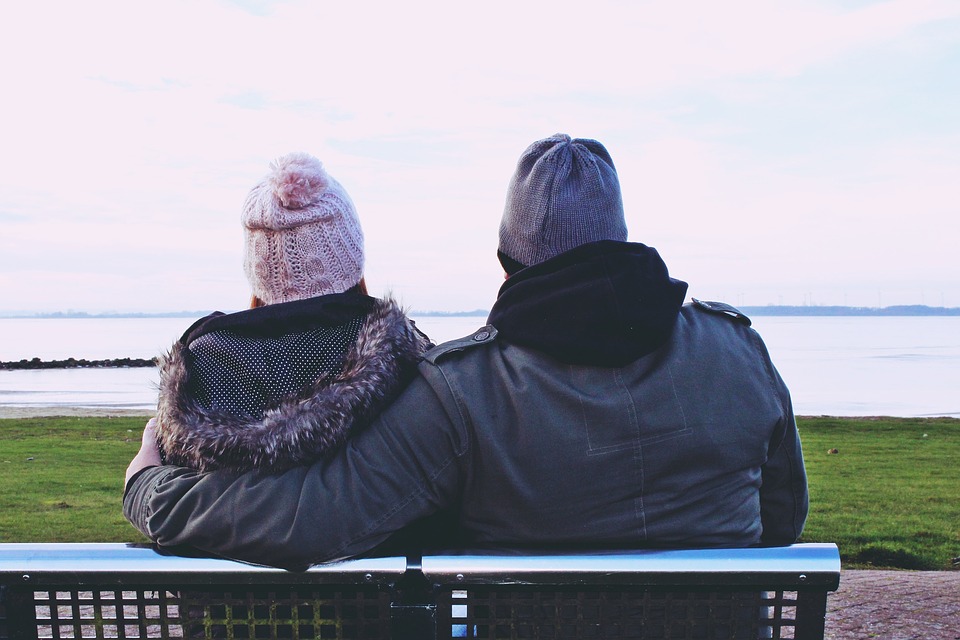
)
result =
(595, 410)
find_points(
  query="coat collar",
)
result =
(604, 303)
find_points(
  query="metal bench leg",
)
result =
(21, 615)
(413, 612)
(811, 615)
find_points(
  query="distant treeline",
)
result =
(451, 314)
(83, 314)
(899, 310)
(200, 314)
(74, 363)
(768, 310)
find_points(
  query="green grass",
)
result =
(890, 497)
(61, 479)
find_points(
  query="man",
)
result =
(595, 409)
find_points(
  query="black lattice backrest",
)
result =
(535, 612)
(230, 612)
(133, 591)
(676, 594)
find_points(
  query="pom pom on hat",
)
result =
(302, 233)
(298, 179)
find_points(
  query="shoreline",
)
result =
(57, 411)
(71, 411)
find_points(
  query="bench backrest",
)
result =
(137, 591)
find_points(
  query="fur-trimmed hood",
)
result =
(301, 426)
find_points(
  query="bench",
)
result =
(85, 590)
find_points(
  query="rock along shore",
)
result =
(74, 363)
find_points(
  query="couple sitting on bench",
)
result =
(595, 409)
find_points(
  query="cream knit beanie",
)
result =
(303, 237)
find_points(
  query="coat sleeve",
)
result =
(402, 467)
(784, 500)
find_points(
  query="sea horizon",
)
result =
(840, 366)
(759, 310)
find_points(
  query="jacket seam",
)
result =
(782, 424)
(339, 551)
(146, 510)
(768, 367)
(638, 456)
(422, 489)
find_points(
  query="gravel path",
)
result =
(895, 605)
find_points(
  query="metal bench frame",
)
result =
(139, 591)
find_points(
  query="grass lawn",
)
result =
(888, 497)
(61, 479)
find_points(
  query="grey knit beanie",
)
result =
(302, 233)
(565, 193)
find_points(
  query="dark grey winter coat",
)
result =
(282, 385)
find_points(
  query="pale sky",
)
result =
(774, 152)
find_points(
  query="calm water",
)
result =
(845, 366)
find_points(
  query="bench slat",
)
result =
(797, 566)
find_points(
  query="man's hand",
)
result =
(149, 454)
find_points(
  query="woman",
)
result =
(284, 382)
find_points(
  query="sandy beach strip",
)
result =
(68, 411)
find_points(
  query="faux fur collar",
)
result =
(302, 428)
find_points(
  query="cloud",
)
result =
(750, 136)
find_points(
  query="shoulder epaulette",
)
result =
(483, 335)
(722, 308)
